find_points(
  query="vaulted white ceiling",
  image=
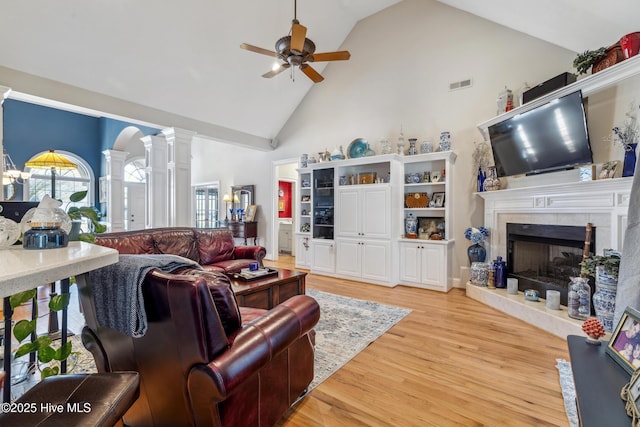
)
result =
(183, 58)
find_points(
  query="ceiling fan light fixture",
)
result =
(296, 50)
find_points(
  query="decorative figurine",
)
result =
(594, 330)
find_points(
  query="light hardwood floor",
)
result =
(451, 362)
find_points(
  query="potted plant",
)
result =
(77, 213)
(584, 61)
(604, 268)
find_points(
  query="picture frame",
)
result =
(608, 170)
(631, 394)
(438, 199)
(431, 228)
(305, 198)
(250, 213)
(624, 345)
(435, 176)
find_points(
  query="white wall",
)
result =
(402, 61)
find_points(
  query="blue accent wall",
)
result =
(30, 129)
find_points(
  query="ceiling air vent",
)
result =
(462, 84)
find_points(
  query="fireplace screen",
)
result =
(545, 257)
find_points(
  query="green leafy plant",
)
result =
(42, 345)
(88, 212)
(610, 262)
(584, 61)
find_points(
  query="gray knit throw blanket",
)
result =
(117, 290)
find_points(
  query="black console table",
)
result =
(598, 380)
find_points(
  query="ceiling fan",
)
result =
(296, 50)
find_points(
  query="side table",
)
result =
(598, 380)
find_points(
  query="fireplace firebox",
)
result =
(544, 257)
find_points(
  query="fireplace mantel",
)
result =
(603, 202)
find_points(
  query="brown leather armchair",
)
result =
(204, 361)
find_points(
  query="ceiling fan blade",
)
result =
(311, 73)
(256, 49)
(298, 34)
(341, 55)
(276, 72)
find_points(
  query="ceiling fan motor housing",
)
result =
(283, 47)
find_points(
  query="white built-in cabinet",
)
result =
(366, 220)
(323, 258)
(303, 250)
(363, 232)
(425, 264)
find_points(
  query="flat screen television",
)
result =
(550, 137)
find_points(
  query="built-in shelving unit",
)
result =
(427, 195)
(357, 220)
(588, 85)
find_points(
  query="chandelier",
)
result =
(10, 173)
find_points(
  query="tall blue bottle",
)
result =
(500, 273)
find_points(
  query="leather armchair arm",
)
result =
(255, 345)
(250, 252)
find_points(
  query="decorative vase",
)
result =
(74, 234)
(479, 273)
(476, 253)
(629, 165)
(492, 182)
(482, 176)
(385, 146)
(304, 160)
(579, 298)
(412, 146)
(445, 141)
(630, 44)
(426, 147)
(604, 298)
(411, 227)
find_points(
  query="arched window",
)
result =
(134, 171)
(67, 182)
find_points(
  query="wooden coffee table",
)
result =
(270, 291)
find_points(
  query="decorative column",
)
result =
(179, 176)
(157, 188)
(114, 181)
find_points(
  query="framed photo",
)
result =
(435, 176)
(431, 228)
(305, 198)
(624, 345)
(631, 393)
(251, 213)
(438, 199)
(608, 169)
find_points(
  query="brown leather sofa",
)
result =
(212, 248)
(203, 360)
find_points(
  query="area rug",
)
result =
(346, 327)
(568, 391)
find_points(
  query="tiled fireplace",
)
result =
(602, 203)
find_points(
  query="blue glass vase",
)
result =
(476, 253)
(629, 165)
